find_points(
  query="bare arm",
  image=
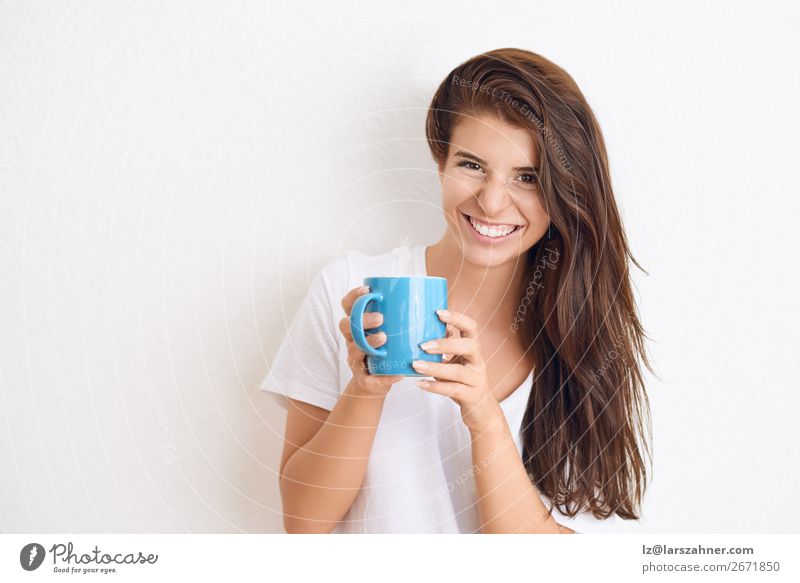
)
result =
(507, 500)
(325, 453)
(320, 479)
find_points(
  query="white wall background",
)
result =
(172, 176)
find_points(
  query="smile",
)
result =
(491, 233)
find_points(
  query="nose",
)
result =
(494, 198)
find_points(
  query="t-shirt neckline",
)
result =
(422, 268)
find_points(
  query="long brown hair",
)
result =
(583, 432)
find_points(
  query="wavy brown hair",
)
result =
(583, 431)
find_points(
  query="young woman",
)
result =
(534, 421)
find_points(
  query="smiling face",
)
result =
(490, 193)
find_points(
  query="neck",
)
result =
(485, 293)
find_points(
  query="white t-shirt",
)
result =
(419, 477)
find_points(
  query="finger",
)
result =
(356, 359)
(445, 372)
(467, 348)
(371, 320)
(351, 296)
(375, 340)
(465, 325)
(448, 389)
(344, 328)
(378, 380)
(452, 332)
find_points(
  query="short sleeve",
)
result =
(306, 365)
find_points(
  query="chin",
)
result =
(487, 256)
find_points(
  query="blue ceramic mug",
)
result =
(408, 305)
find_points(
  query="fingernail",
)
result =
(428, 345)
(444, 313)
(420, 365)
(363, 289)
(423, 384)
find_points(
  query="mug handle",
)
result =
(357, 321)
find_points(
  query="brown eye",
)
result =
(467, 163)
(532, 178)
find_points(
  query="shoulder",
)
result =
(585, 522)
(588, 523)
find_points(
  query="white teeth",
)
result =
(491, 231)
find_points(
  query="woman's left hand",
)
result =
(463, 377)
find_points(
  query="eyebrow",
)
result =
(464, 154)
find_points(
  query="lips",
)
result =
(490, 224)
(488, 238)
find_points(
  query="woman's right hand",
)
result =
(363, 382)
